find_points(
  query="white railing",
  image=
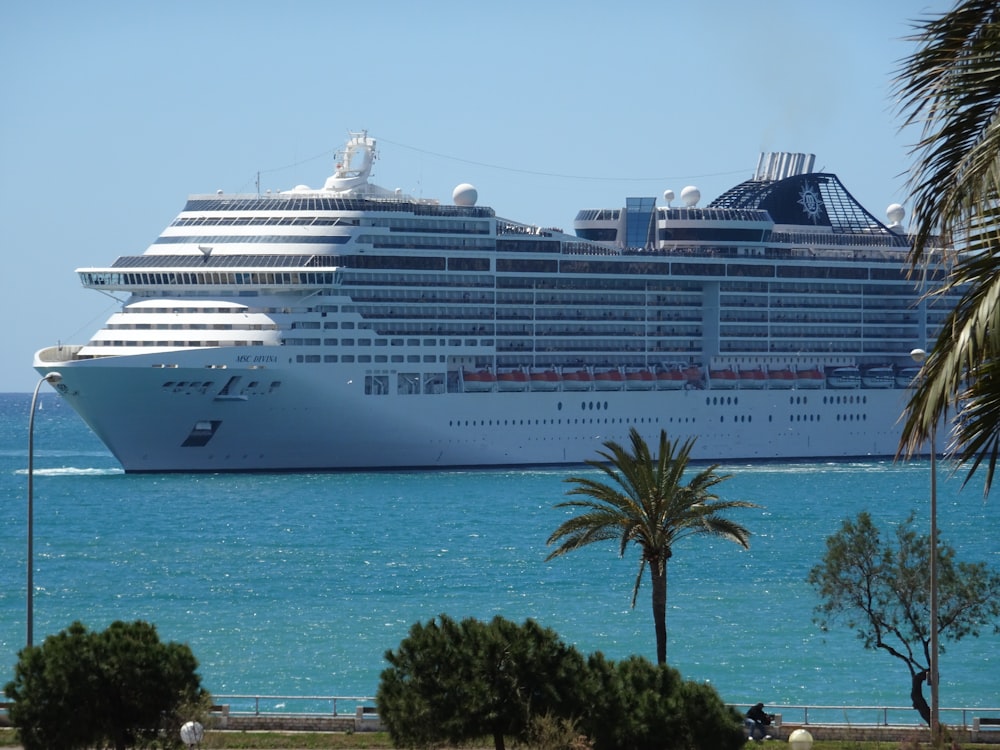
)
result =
(293, 705)
(872, 716)
(859, 716)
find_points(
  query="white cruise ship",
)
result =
(354, 327)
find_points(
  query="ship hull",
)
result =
(320, 418)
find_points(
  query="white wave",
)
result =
(833, 467)
(74, 471)
(21, 453)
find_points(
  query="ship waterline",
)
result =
(351, 327)
(189, 427)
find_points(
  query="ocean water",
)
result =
(298, 584)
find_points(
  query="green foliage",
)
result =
(645, 502)
(455, 682)
(881, 591)
(709, 722)
(643, 706)
(121, 688)
(950, 88)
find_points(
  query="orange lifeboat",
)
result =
(811, 377)
(670, 379)
(609, 379)
(577, 380)
(512, 380)
(781, 379)
(724, 378)
(639, 379)
(753, 379)
(478, 381)
(544, 380)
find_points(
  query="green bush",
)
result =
(459, 681)
(121, 688)
(456, 682)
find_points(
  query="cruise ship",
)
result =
(356, 327)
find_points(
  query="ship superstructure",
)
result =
(357, 327)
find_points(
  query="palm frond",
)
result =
(950, 88)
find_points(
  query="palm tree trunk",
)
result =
(658, 576)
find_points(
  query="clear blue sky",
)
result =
(113, 112)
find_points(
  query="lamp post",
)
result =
(52, 378)
(920, 356)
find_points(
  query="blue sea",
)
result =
(297, 584)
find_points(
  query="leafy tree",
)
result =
(646, 503)
(880, 590)
(951, 87)
(119, 688)
(458, 681)
(634, 704)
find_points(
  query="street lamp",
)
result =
(53, 378)
(192, 733)
(920, 356)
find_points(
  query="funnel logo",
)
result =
(812, 204)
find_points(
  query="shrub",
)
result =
(121, 687)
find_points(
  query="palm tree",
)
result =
(645, 504)
(951, 87)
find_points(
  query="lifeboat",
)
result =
(724, 379)
(844, 377)
(639, 379)
(577, 380)
(880, 376)
(670, 379)
(809, 378)
(544, 380)
(753, 379)
(478, 381)
(512, 380)
(608, 379)
(906, 377)
(694, 376)
(780, 379)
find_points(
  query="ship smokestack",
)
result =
(777, 165)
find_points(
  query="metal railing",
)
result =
(873, 716)
(816, 715)
(293, 705)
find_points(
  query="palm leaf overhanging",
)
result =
(950, 88)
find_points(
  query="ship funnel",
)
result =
(778, 165)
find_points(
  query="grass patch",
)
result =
(272, 740)
(218, 740)
(297, 740)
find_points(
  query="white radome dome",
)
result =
(895, 212)
(668, 196)
(690, 196)
(465, 195)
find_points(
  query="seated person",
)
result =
(757, 721)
